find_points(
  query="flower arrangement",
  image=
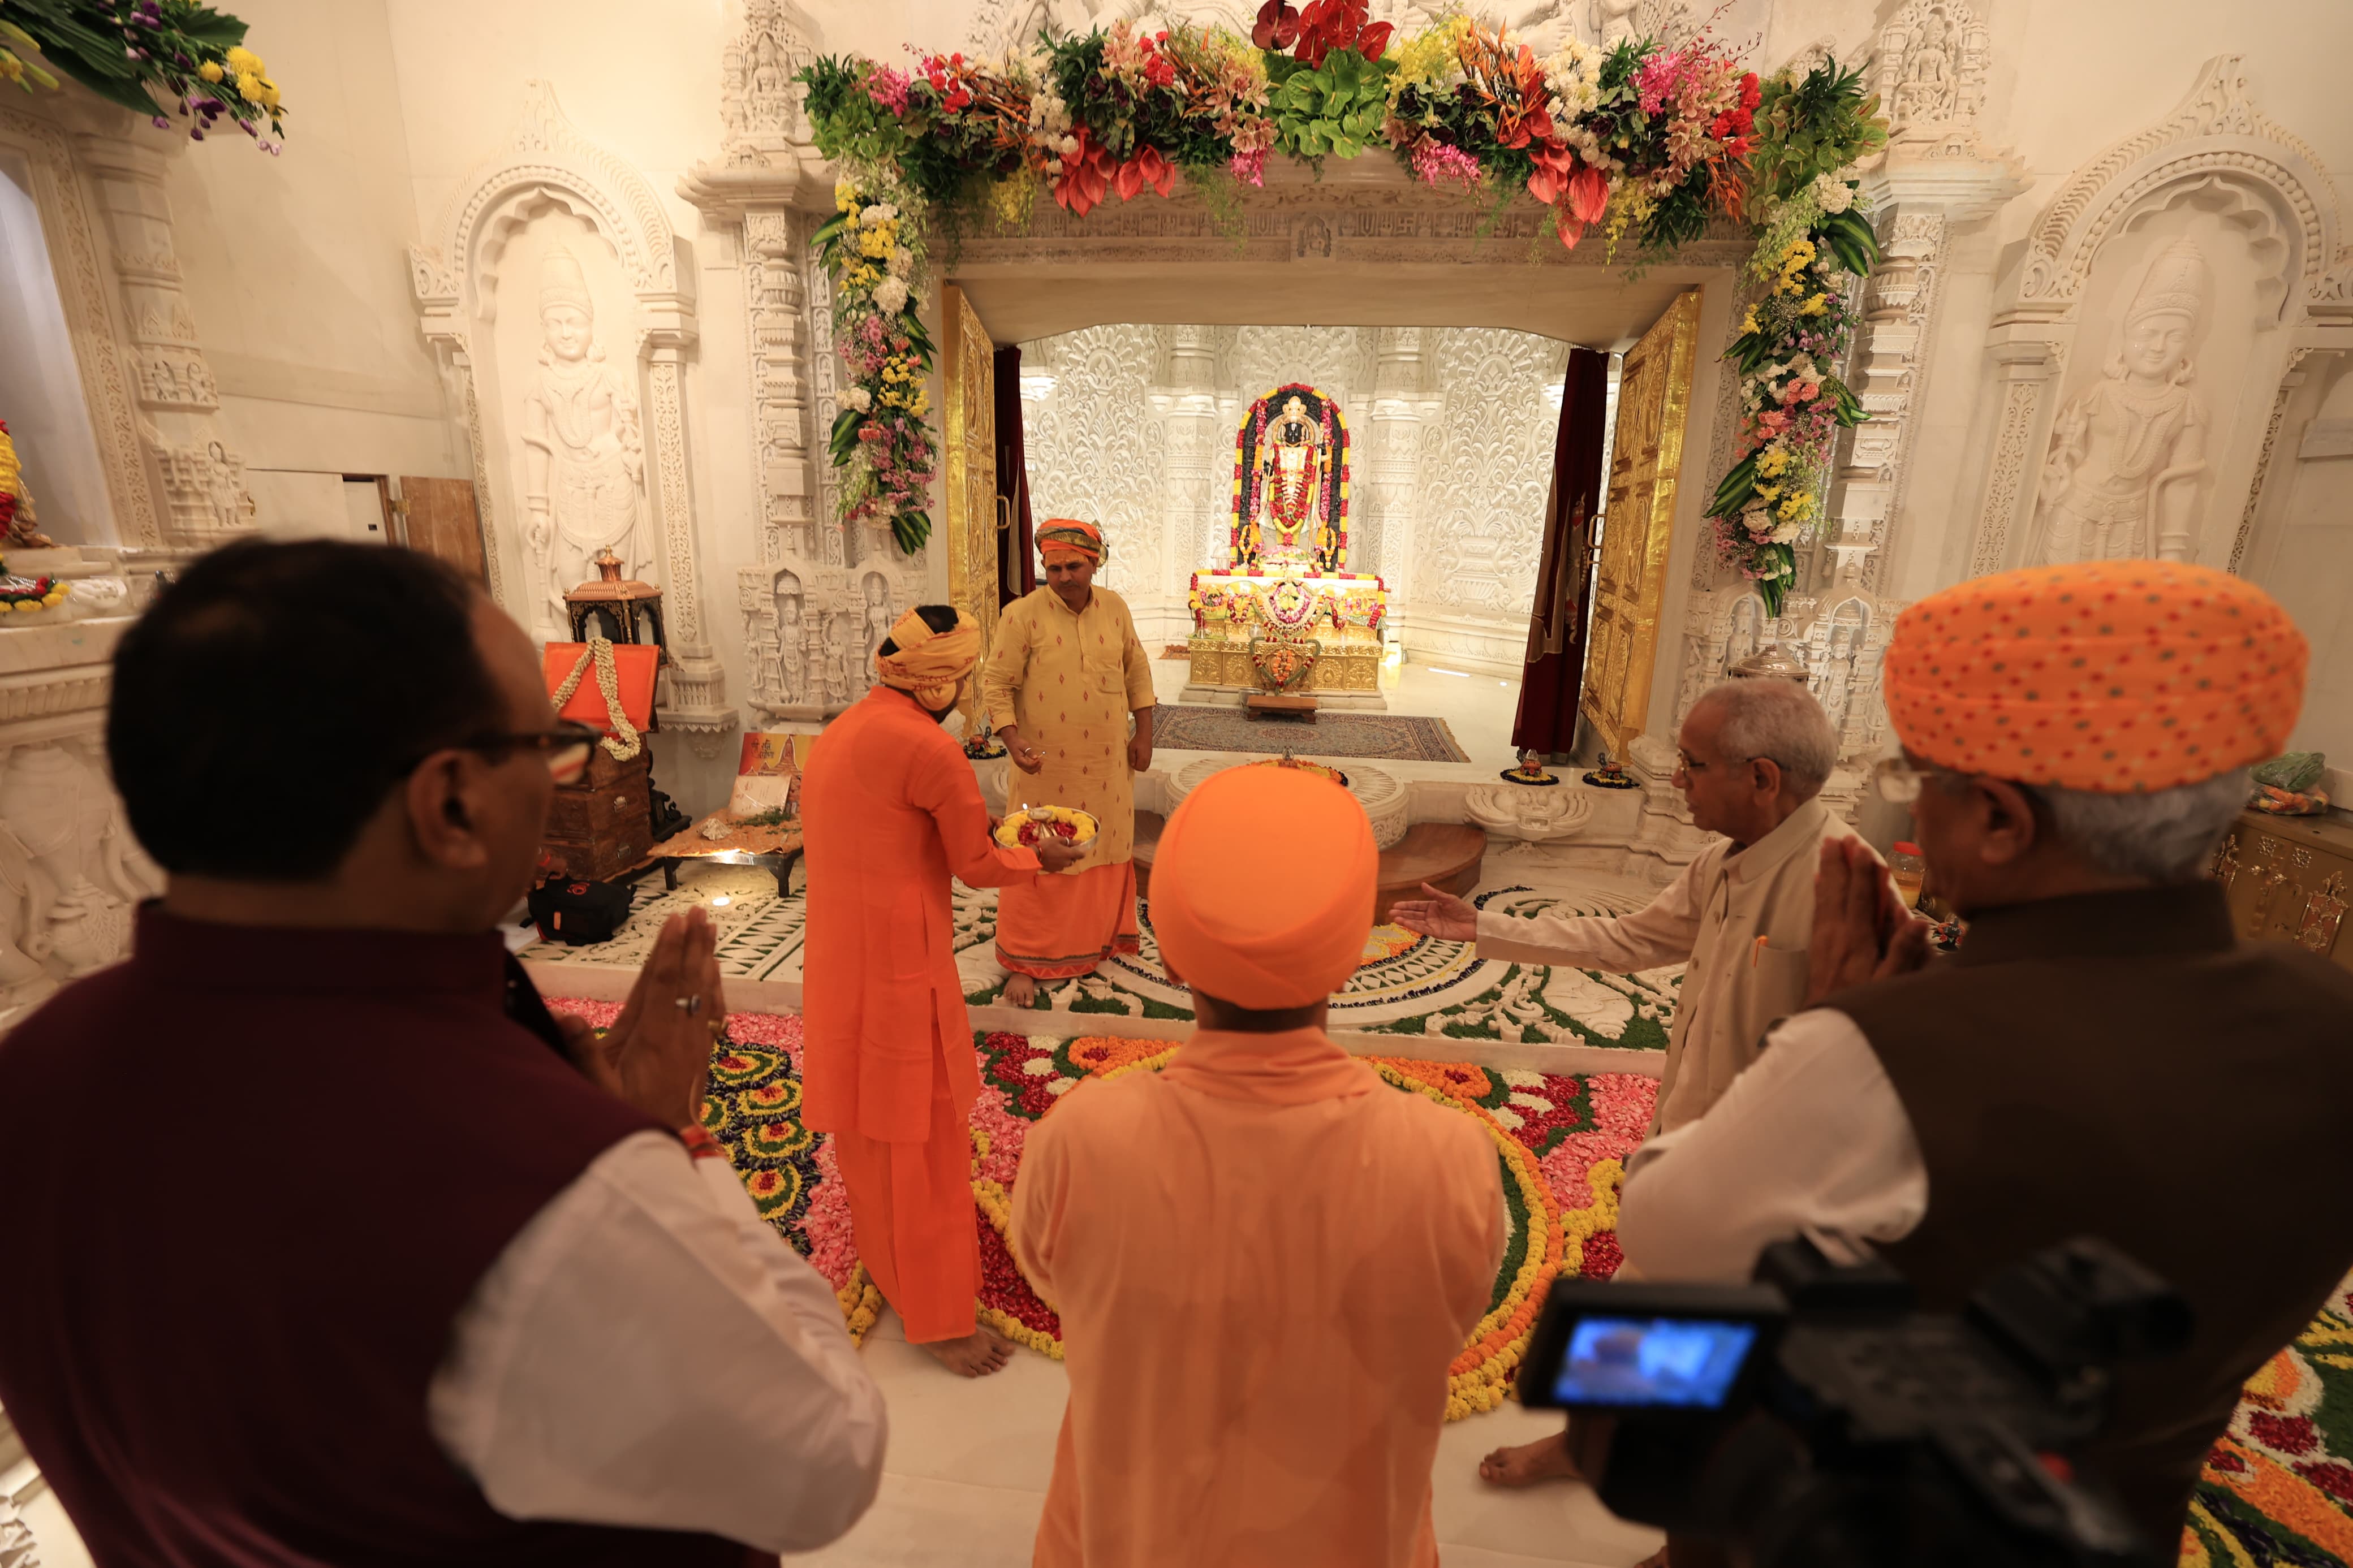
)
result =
(1647, 141)
(1792, 405)
(873, 248)
(31, 594)
(14, 499)
(142, 53)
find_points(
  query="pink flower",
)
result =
(1249, 166)
(888, 87)
(1435, 163)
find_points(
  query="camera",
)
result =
(1813, 1419)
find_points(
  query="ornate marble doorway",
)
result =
(1630, 584)
(968, 485)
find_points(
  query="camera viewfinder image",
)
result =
(1674, 1362)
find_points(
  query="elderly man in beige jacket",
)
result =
(1754, 755)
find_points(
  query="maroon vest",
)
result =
(253, 1176)
(2119, 1064)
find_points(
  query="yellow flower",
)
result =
(1749, 321)
(28, 603)
(210, 71)
(244, 62)
(1816, 306)
(1798, 508)
(268, 93)
(1769, 491)
(1771, 462)
(844, 194)
(249, 87)
(11, 67)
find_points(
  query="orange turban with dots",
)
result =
(2112, 676)
(1256, 942)
(929, 664)
(1065, 537)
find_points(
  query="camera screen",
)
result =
(1671, 1362)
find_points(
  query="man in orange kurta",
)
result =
(890, 809)
(1263, 1256)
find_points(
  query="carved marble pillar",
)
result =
(205, 502)
(775, 308)
(1196, 512)
(2025, 365)
(1392, 463)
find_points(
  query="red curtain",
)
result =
(1017, 562)
(1555, 672)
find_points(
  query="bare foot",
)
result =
(1545, 1459)
(977, 1354)
(1020, 991)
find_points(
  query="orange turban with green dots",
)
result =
(2115, 677)
(1065, 537)
(1220, 927)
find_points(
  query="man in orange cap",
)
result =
(1263, 1257)
(890, 809)
(1064, 677)
(2076, 742)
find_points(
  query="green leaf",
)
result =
(1736, 487)
(843, 441)
(831, 229)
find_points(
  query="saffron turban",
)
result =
(929, 664)
(2112, 676)
(1067, 536)
(1258, 940)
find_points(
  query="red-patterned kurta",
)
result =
(1069, 680)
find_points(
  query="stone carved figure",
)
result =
(2117, 481)
(1926, 97)
(1748, 633)
(792, 658)
(584, 449)
(223, 491)
(1614, 21)
(879, 618)
(1832, 680)
(837, 662)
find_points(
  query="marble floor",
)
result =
(969, 1460)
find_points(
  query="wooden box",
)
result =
(2290, 878)
(601, 824)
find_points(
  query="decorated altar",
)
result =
(1258, 631)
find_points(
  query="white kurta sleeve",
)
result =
(649, 1352)
(1810, 1140)
(1663, 932)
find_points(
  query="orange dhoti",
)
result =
(1063, 926)
(911, 1207)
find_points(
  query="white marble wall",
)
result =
(1451, 434)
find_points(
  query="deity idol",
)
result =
(584, 450)
(1292, 466)
(2110, 485)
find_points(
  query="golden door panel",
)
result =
(1630, 578)
(969, 380)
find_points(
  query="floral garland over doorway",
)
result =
(1646, 141)
(147, 55)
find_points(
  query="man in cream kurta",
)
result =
(1755, 753)
(1063, 678)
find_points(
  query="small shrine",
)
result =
(1284, 615)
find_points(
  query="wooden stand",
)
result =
(1446, 855)
(1279, 705)
(601, 824)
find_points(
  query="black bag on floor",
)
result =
(579, 914)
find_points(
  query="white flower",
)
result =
(878, 214)
(1070, 148)
(1054, 168)
(891, 296)
(1788, 534)
(1834, 195)
(858, 397)
(1802, 365)
(1574, 75)
(903, 262)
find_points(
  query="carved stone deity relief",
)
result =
(579, 463)
(760, 108)
(1930, 71)
(2155, 389)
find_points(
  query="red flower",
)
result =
(1278, 26)
(1750, 97)
(1553, 165)
(2287, 1434)
(1148, 167)
(1086, 175)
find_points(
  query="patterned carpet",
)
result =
(1561, 1144)
(1377, 737)
(2277, 1492)
(1407, 984)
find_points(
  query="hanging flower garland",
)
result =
(1648, 143)
(145, 55)
(880, 441)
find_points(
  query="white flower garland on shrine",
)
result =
(628, 743)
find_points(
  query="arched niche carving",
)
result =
(544, 166)
(2250, 221)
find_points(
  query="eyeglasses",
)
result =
(1896, 780)
(565, 749)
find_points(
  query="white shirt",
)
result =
(1811, 1140)
(649, 1352)
(1741, 918)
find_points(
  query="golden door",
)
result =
(968, 385)
(1629, 580)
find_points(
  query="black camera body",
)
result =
(1814, 1418)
